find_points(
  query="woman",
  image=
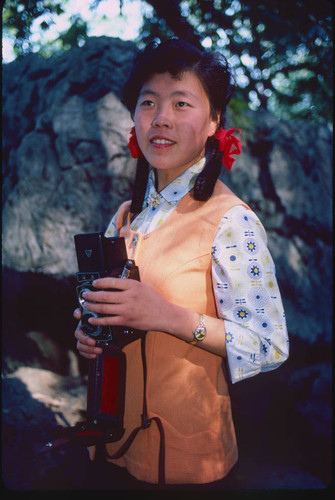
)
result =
(208, 289)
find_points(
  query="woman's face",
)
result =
(173, 121)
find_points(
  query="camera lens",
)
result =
(81, 300)
(92, 330)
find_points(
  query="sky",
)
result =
(103, 20)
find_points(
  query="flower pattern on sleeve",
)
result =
(247, 296)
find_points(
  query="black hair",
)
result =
(211, 67)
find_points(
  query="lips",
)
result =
(160, 141)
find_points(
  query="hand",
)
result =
(85, 344)
(127, 302)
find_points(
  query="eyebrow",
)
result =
(182, 93)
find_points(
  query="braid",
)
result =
(141, 181)
(206, 180)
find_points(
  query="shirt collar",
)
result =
(177, 189)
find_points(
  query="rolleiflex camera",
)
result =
(99, 257)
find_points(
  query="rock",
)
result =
(65, 396)
(34, 402)
(38, 326)
(71, 170)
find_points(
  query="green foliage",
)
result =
(75, 34)
(280, 50)
(20, 15)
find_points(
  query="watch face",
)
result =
(200, 333)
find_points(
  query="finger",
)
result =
(77, 313)
(94, 301)
(88, 356)
(112, 310)
(88, 351)
(109, 320)
(83, 338)
(119, 283)
(106, 296)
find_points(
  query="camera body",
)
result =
(99, 257)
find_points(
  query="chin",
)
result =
(160, 163)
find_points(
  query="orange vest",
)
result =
(186, 387)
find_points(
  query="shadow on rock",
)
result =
(27, 425)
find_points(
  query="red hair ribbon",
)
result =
(133, 146)
(229, 144)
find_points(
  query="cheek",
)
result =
(196, 131)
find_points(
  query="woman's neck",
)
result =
(164, 177)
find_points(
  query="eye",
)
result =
(147, 103)
(182, 104)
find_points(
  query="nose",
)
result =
(162, 119)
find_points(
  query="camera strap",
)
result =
(83, 434)
(146, 422)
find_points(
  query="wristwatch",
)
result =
(200, 332)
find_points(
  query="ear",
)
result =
(214, 124)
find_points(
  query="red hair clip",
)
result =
(229, 144)
(133, 146)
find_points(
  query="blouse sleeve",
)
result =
(111, 231)
(247, 296)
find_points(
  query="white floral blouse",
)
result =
(243, 276)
